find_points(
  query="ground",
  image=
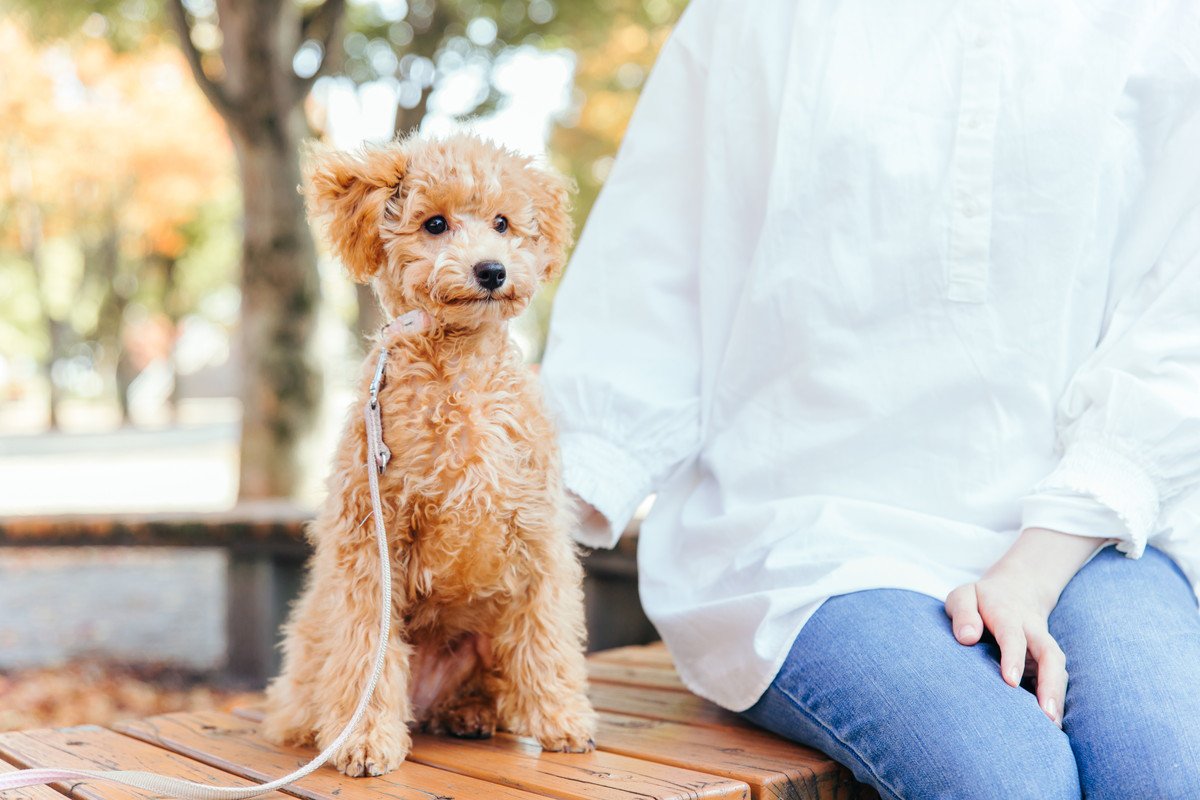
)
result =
(99, 693)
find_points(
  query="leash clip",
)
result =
(378, 453)
(377, 381)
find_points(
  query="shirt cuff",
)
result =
(607, 478)
(1074, 514)
(1096, 485)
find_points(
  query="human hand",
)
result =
(1017, 614)
(1014, 599)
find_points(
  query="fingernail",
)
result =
(1051, 708)
(966, 632)
(1014, 676)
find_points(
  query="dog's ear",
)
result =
(550, 194)
(347, 194)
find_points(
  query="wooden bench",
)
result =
(656, 741)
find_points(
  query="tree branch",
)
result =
(321, 25)
(320, 22)
(408, 120)
(213, 90)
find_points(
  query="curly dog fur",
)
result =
(489, 627)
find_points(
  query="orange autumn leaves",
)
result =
(94, 137)
(614, 56)
(99, 693)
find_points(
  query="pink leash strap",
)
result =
(35, 777)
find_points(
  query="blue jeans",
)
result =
(877, 681)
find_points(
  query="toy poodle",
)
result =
(488, 627)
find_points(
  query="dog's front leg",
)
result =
(540, 677)
(330, 650)
(382, 741)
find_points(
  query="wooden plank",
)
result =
(634, 701)
(31, 793)
(648, 655)
(634, 675)
(93, 747)
(774, 768)
(599, 775)
(233, 744)
(669, 706)
(504, 761)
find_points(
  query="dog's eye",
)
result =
(500, 224)
(436, 225)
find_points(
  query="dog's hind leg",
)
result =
(450, 694)
(470, 714)
(289, 703)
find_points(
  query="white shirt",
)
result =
(871, 287)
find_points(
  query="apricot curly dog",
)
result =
(489, 627)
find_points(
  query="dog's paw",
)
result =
(570, 743)
(472, 718)
(372, 752)
(570, 730)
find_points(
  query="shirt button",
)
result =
(974, 123)
(983, 39)
(971, 208)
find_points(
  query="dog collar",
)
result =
(413, 321)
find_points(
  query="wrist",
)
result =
(1045, 560)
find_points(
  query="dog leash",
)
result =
(378, 456)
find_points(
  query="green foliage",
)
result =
(208, 264)
(124, 23)
(415, 42)
(21, 329)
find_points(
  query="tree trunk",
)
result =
(370, 314)
(173, 308)
(102, 263)
(124, 374)
(30, 231)
(408, 120)
(280, 384)
(56, 331)
(260, 98)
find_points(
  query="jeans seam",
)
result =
(796, 704)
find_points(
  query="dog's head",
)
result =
(459, 228)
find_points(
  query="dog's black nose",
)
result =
(490, 274)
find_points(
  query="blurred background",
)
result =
(158, 455)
